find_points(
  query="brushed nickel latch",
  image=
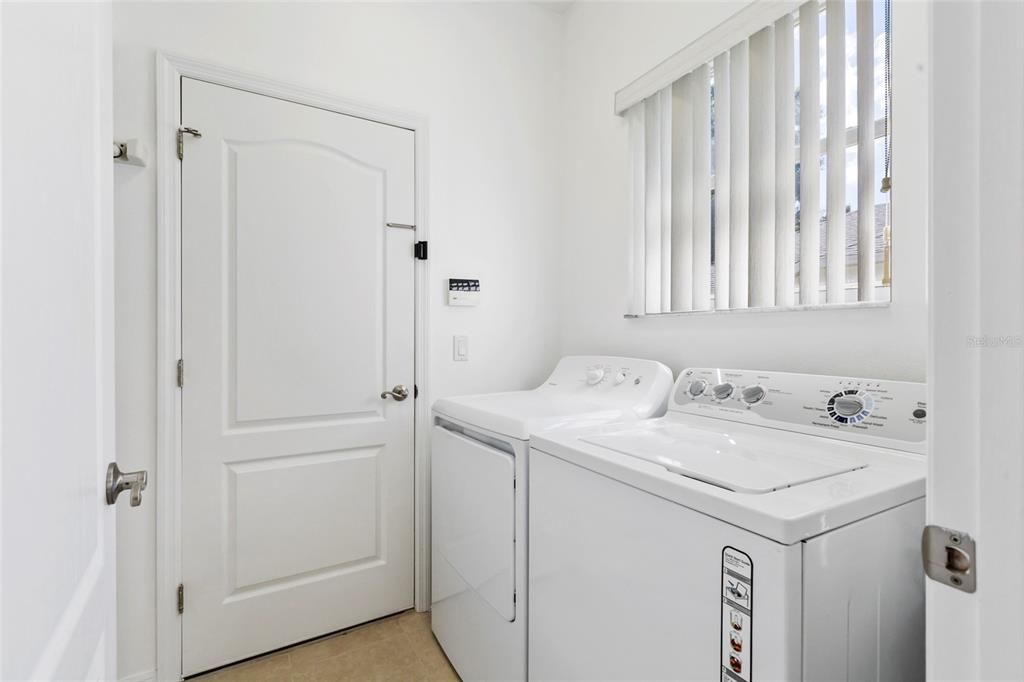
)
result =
(949, 557)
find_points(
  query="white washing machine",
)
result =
(767, 528)
(479, 499)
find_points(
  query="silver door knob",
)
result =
(118, 481)
(399, 393)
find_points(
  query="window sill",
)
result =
(859, 305)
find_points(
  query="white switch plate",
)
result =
(460, 348)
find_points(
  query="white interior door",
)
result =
(57, 591)
(297, 312)
(976, 372)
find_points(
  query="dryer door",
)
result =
(473, 525)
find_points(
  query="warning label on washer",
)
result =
(737, 615)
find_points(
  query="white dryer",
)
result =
(767, 528)
(479, 492)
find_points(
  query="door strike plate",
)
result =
(949, 557)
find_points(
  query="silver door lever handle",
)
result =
(399, 393)
(118, 481)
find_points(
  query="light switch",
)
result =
(460, 348)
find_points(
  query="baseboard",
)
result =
(144, 676)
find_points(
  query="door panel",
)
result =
(294, 272)
(333, 496)
(473, 518)
(297, 479)
(57, 580)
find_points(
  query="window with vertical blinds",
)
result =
(761, 175)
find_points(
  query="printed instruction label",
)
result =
(737, 615)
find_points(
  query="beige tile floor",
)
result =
(397, 648)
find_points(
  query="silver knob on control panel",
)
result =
(594, 375)
(696, 387)
(848, 405)
(752, 395)
(722, 391)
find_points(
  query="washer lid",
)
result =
(746, 463)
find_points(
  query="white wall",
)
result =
(610, 44)
(486, 77)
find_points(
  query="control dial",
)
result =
(594, 375)
(619, 378)
(752, 395)
(850, 406)
(696, 388)
(722, 391)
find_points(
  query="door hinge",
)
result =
(181, 139)
(181, 373)
(421, 251)
(181, 598)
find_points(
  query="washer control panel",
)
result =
(872, 411)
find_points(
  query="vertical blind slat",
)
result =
(785, 171)
(665, 115)
(682, 193)
(865, 151)
(652, 209)
(701, 99)
(722, 135)
(739, 173)
(835, 55)
(810, 152)
(635, 120)
(762, 169)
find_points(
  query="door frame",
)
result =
(170, 69)
(976, 334)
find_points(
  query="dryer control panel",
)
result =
(871, 411)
